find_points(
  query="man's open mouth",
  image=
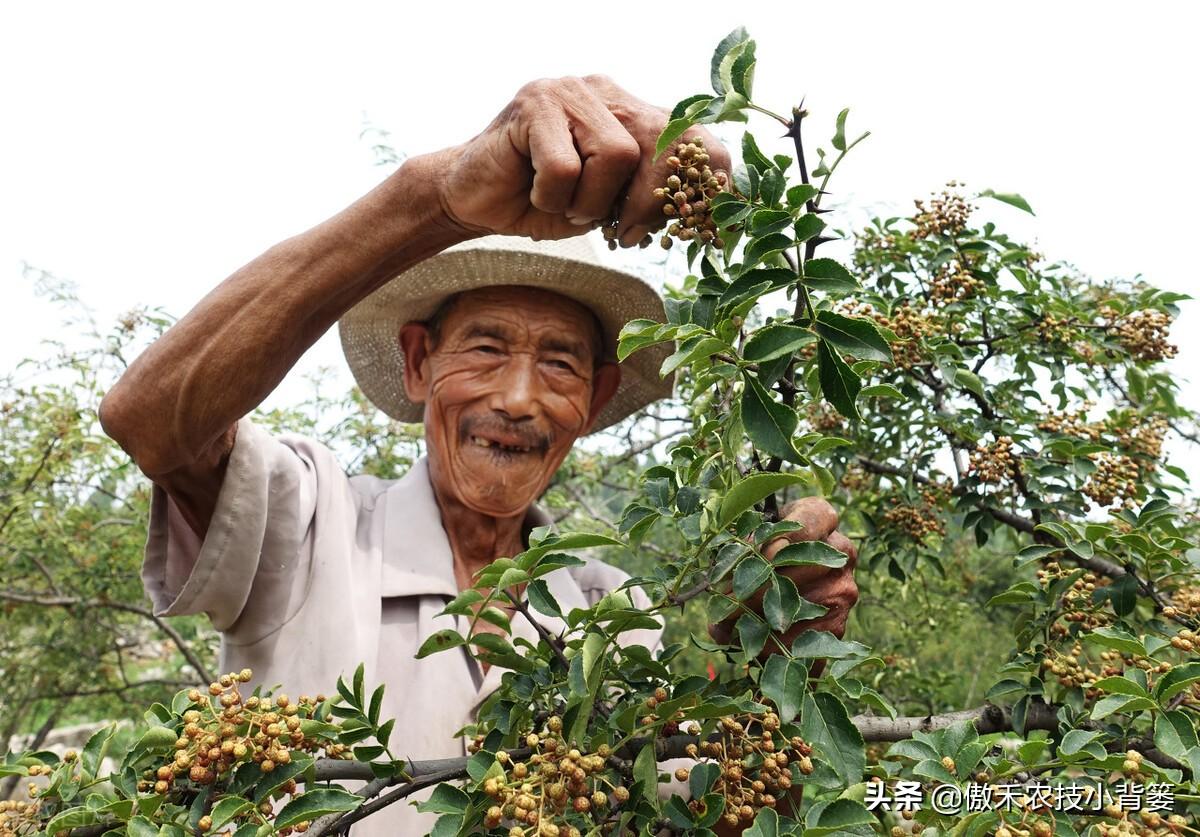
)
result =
(479, 441)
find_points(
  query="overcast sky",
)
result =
(151, 149)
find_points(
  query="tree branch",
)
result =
(73, 601)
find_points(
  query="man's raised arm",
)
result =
(555, 160)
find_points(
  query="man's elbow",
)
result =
(122, 422)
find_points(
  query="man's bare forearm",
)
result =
(182, 395)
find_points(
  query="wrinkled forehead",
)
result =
(524, 309)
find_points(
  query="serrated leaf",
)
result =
(839, 385)
(829, 275)
(752, 634)
(1175, 681)
(810, 553)
(673, 130)
(776, 340)
(753, 488)
(441, 641)
(781, 603)
(445, 799)
(751, 573)
(1175, 734)
(227, 809)
(769, 423)
(839, 134)
(854, 336)
(1010, 198)
(826, 725)
(783, 683)
(542, 600)
(317, 803)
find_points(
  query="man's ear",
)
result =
(605, 381)
(415, 343)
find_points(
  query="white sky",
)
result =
(149, 149)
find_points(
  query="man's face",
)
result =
(509, 384)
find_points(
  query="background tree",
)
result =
(992, 426)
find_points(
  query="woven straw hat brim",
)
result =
(370, 331)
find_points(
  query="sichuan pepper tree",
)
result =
(947, 380)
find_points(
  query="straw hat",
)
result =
(571, 267)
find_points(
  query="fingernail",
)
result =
(579, 222)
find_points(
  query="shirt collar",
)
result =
(417, 559)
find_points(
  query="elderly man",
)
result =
(502, 346)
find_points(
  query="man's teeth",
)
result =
(488, 443)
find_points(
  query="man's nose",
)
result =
(517, 388)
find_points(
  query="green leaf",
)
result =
(968, 380)
(317, 803)
(839, 384)
(441, 641)
(814, 645)
(1121, 686)
(1116, 638)
(1078, 741)
(808, 226)
(70, 818)
(227, 809)
(1175, 681)
(769, 424)
(541, 599)
(1010, 198)
(752, 634)
(375, 705)
(95, 749)
(839, 134)
(826, 725)
(766, 221)
(139, 826)
(839, 817)
(781, 603)
(801, 193)
(783, 682)
(776, 340)
(854, 336)
(690, 351)
(829, 275)
(810, 553)
(1120, 703)
(645, 772)
(752, 156)
(445, 799)
(880, 391)
(753, 488)
(753, 572)
(1175, 734)
(766, 824)
(760, 248)
(728, 44)
(673, 130)
(691, 105)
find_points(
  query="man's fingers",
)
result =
(610, 156)
(816, 514)
(555, 161)
(843, 544)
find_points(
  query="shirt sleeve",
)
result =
(250, 573)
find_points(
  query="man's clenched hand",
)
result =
(558, 158)
(835, 589)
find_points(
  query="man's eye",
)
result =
(561, 364)
(490, 350)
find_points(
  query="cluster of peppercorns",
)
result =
(1148, 824)
(953, 282)
(19, 817)
(1072, 669)
(758, 764)
(822, 418)
(1185, 601)
(688, 194)
(1116, 478)
(1142, 333)
(1144, 437)
(555, 790)
(918, 520)
(1074, 424)
(856, 478)
(993, 463)
(1056, 331)
(1076, 601)
(224, 730)
(946, 214)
